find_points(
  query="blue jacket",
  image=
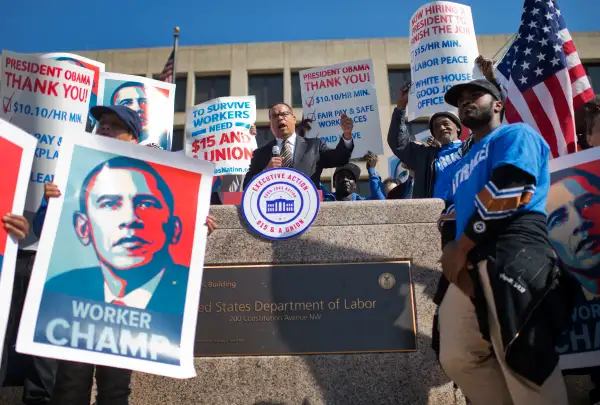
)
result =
(375, 185)
(40, 217)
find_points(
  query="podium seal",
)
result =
(280, 203)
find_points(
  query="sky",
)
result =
(74, 25)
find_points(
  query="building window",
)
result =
(263, 136)
(593, 71)
(178, 139)
(416, 127)
(397, 79)
(209, 87)
(180, 91)
(296, 93)
(267, 88)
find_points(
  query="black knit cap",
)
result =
(446, 114)
(350, 167)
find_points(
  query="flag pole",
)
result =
(175, 46)
(504, 49)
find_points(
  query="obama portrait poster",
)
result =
(118, 273)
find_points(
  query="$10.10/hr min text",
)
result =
(49, 113)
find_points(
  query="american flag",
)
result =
(543, 76)
(167, 73)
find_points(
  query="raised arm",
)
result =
(342, 153)
(400, 140)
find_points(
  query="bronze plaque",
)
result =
(306, 309)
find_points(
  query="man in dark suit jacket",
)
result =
(308, 155)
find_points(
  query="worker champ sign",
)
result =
(573, 210)
(117, 276)
(16, 154)
(347, 88)
(46, 98)
(443, 52)
(219, 131)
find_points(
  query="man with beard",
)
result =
(505, 285)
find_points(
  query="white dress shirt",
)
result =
(138, 298)
(292, 141)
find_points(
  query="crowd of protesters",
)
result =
(495, 357)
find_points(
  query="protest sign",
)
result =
(97, 86)
(346, 88)
(219, 131)
(153, 100)
(573, 210)
(117, 276)
(395, 168)
(46, 98)
(443, 53)
(16, 154)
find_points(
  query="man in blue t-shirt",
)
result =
(501, 266)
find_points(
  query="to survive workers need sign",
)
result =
(218, 131)
(443, 53)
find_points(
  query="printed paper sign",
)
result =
(573, 210)
(153, 100)
(16, 154)
(97, 86)
(46, 98)
(443, 53)
(347, 88)
(219, 131)
(395, 168)
(117, 276)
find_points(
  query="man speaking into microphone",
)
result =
(307, 155)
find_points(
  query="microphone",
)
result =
(275, 151)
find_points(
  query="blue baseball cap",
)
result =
(130, 118)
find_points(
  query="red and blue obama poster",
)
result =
(573, 209)
(16, 157)
(118, 272)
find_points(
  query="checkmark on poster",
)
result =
(6, 103)
(310, 101)
(311, 116)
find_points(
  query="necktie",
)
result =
(119, 303)
(287, 154)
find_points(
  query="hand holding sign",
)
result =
(403, 98)
(486, 66)
(51, 191)
(371, 159)
(347, 126)
(16, 225)
(211, 224)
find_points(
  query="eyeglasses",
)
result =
(283, 114)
